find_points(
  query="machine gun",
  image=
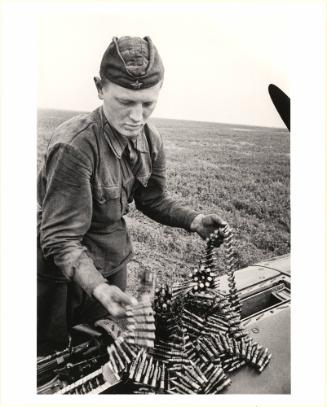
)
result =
(60, 368)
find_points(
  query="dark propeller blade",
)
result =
(282, 104)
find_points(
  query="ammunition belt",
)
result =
(192, 342)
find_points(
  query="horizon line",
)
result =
(168, 118)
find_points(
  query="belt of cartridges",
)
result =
(192, 341)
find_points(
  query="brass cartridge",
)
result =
(139, 368)
(162, 376)
(135, 363)
(155, 375)
(265, 363)
(262, 357)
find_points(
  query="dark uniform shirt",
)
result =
(90, 175)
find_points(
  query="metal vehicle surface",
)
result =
(265, 294)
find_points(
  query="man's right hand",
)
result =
(113, 299)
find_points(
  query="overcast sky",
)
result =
(219, 59)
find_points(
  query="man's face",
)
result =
(128, 110)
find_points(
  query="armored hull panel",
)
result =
(264, 290)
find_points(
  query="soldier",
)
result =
(95, 165)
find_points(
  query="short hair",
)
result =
(104, 81)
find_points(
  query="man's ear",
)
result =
(98, 85)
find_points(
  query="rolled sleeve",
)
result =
(67, 213)
(154, 201)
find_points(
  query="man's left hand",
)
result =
(204, 225)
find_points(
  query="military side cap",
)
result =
(132, 62)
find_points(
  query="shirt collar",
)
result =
(118, 142)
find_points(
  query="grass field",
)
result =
(240, 172)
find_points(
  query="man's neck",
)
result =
(133, 138)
